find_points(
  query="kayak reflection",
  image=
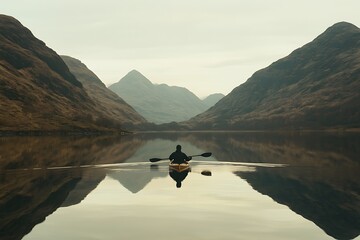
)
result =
(179, 172)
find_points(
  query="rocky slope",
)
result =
(317, 86)
(37, 90)
(111, 104)
(157, 103)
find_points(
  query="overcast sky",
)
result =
(206, 46)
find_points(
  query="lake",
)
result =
(254, 186)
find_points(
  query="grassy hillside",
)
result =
(317, 86)
(110, 103)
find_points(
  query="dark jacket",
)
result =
(179, 157)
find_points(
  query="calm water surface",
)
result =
(262, 186)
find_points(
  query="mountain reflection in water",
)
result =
(320, 181)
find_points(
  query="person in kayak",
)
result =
(178, 156)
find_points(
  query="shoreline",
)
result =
(9, 133)
(40, 133)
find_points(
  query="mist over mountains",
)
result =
(160, 103)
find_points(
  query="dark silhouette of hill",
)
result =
(317, 86)
(111, 104)
(157, 103)
(37, 90)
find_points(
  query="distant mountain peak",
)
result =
(135, 77)
(135, 72)
(158, 103)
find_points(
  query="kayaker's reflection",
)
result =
(178, 174)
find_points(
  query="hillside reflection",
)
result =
(321, 195)
(320, 183)
(45, 152)
(29, 192)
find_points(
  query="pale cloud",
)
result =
(205, 45)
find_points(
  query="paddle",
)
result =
(207, 154)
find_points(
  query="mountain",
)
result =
(317, 86)
(37, 90)
(111, 104)
(157, 103)
(212, 99)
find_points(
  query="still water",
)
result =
(257, 186)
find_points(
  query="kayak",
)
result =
(179, 167)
